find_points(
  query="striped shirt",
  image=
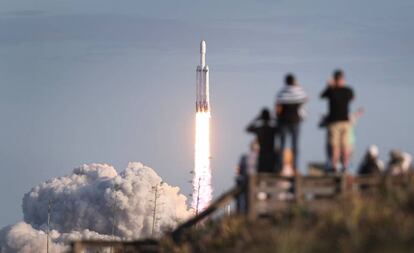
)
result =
(290, 100)
(291, 95)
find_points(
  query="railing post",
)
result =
(297, 186)
(251, 197)
(343, 182)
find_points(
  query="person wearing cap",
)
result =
(265, 130)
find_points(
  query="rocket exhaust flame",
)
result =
(202, 190)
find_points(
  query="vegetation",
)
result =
(378, 222)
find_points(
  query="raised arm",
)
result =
(325, 92)
(252, 127)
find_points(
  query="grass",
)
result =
(382, 222)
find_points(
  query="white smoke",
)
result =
(95, 202)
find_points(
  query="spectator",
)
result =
(265, 130)
(371, 165)
(339, 125)
(290, 113)
(247, 166)
(400, 163)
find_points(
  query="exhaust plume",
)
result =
(95, 202)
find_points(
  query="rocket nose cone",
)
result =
(202, 47)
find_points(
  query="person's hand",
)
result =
(278, 109)
(331, 83)
(360, 112)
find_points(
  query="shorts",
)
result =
(340, 134)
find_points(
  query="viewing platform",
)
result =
(265, 195)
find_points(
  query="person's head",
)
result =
(290, 79)
(339, 77)
(373, 151)
(265, 114)
(396, 155)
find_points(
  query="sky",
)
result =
(112, 82)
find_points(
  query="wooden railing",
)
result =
(223, 200)
(264, 194)
(95, 246)
(269, 193)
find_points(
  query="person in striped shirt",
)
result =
(290, 113)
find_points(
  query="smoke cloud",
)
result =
(95, 202)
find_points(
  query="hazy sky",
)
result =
(114, 81)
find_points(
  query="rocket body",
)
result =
(202, 82)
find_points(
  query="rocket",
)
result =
(202, 82)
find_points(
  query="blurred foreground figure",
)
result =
(290, 113)
(247, 167)
(371, 165)
(400, 163)
(248, 161)
(265, 130)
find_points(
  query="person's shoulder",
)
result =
(349, 91)
(300, 89)
(279, 93)
(343, 89)
(348, 88)
(283, 90)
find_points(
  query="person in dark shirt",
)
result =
(265, 130)
(339, 97)
(289, 111)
